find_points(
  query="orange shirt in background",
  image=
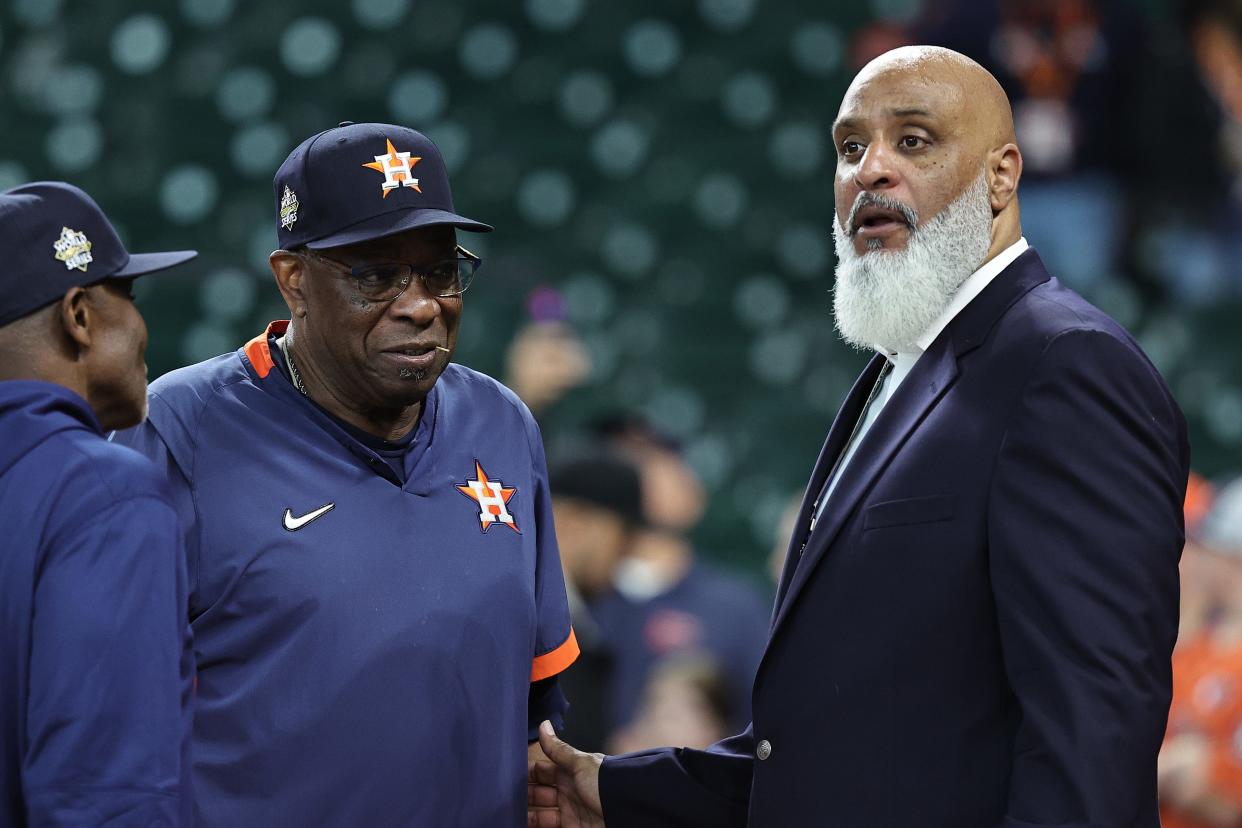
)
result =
(1207, 699)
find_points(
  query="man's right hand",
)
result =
(564, 793)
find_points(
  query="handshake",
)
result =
(563, 787)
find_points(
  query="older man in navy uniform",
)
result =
(377, 602)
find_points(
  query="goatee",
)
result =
(889, 298)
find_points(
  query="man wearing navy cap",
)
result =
(375, 592)
(95, 659)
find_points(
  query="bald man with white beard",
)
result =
(975, 621)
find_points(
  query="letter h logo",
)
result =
(397, 167)
(492, 497)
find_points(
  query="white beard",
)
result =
(889, 298)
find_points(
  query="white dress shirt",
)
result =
(902, 362)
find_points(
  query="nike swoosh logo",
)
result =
(293, 524)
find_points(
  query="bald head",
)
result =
(982, 103)
(918, 126)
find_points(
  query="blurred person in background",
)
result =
(378, 606)
(1201, 760)
(785, 526)
(1081, 72)
(1207, 232)
(1069, 68)
(976, 617)
(597, 506)
(687, 701)
(666, 598)
(1203, 583)
(543, 362)
(96, 667)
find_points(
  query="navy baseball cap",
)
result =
(54, 237)
(357, 182)
(602, 478)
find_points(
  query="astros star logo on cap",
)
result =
(397, 168)
(73, 248)
(493, 497)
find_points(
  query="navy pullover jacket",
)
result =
(95, 659)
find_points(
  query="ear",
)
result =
(289, 270)
(76, 317)
(1004, 170)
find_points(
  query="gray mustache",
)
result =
(884, 202)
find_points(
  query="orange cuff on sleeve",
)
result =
(551, 663)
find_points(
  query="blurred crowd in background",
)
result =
(657, 290)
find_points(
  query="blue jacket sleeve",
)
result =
(111, 674)
(679, 787)
(547, 701)
(1085, 532)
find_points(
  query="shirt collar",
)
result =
(413, 446)
(972, 287)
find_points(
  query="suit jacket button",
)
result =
(763, 750)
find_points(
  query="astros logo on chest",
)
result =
(492, 497)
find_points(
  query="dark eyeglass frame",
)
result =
(355, 273)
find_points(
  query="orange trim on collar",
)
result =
(257, 351)
(549, 664)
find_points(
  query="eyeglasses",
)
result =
(385, 281)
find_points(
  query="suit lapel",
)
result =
(842, 426)
(927, 382)
(918, 394)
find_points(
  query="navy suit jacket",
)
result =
(978, 631)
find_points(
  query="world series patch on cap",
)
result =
(357, 182)
(53, 237)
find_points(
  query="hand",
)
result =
(534, 754)
(564, 793)
(546, 360)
